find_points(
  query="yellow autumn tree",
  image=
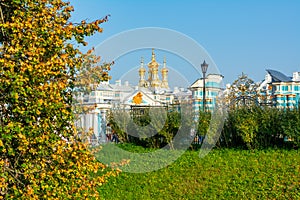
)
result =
(41, 156)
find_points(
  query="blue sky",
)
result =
(240, 36)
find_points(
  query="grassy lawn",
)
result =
(222, 174)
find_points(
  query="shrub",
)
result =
(41, 156)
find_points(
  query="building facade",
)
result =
(280, 90)
(213, 88)
(152, 91)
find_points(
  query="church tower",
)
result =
(142, 71)
(153, 81)
(164, 74)
(153, 77)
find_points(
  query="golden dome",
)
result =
(153, 63)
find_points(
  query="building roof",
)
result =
(104, 87)
(115, 87)
(183, 93)
(278, 76)
(123, 88)
(146, 96)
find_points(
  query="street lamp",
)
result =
(204, 67)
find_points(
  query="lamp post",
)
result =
(204, 67)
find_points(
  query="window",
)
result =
(284, 88)
(212, 84)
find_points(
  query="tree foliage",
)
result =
(154, 128)
(248, 127)
(41, 156)
(261, 127)
(203, 123)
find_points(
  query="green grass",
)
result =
(222, 174)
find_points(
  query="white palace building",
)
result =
(152, 90)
